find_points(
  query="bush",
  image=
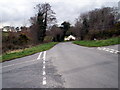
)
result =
(104, 34)
(23, 39)
(13, 42)
(48, 39)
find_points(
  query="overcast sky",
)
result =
(18, 12)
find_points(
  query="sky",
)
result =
(18, 12)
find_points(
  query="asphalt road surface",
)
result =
(66, 65)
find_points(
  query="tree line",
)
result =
(100, 23)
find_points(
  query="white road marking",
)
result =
(112, 50)
(43, 62)
(116, 51)
(44, 81)
(43, 66)
(104, 48)
(18, 63)
(109, 50)
(44, 55)
(44, 72)
(99, 48)
(39, 56)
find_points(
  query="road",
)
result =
(66, 65)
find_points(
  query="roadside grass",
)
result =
(99, 43)
(27, 51)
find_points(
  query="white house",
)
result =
(9, 29)
(69, 38)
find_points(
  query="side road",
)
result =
(83, 67)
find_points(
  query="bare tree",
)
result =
(47, 13)
(78, 28)
(40, 22)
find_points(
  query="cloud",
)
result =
(17, 12)
(67, 10)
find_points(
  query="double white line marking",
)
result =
(44, 61)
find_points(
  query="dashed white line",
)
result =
(99, 48)
(44, 72)
(108, 50)
(44, 81)
(44, 55)
(39, 56)
(104, 48)
(112, 50)
(117, 51)
(43, 62)
(43, 66)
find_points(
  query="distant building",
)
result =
(69, 38)
(6, 29)
(9, 29)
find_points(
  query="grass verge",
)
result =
(28, 51)
(99, 43)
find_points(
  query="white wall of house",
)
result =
(9, 29)
(69, 38)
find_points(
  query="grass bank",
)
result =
(99, 43)
(28, 51)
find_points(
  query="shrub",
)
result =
(13, 42)
(103, 34)
(23, 39)
(48, 39)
